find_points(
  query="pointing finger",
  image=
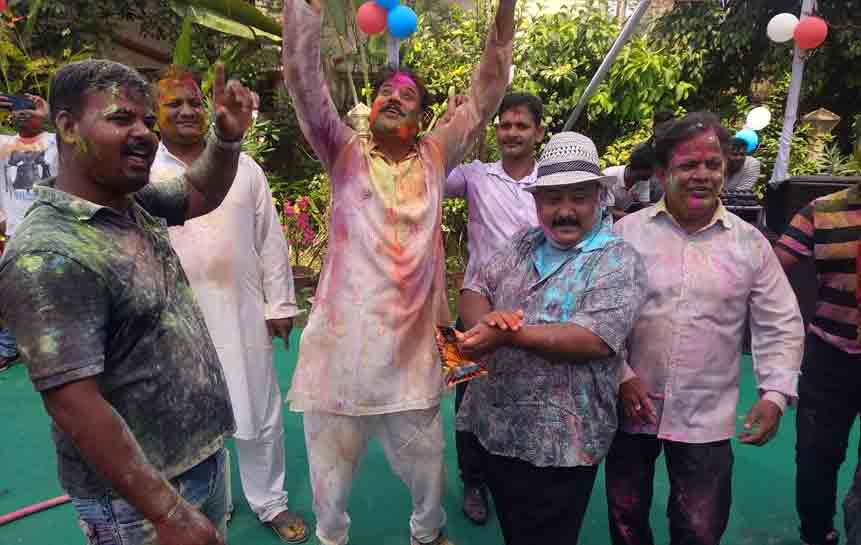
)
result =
(218, 85)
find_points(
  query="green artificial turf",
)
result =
(763, 511)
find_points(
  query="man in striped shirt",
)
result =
(827, 230)
(742, 169)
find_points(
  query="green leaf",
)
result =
(182, 50)
(337, 11)
(237, 11)
(214, 20)
(32, 16)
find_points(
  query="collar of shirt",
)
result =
(600, 235)
(497, 171)
(721, 215)
(374, 150)
(81, 209)
(165, 153)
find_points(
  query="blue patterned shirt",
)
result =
(552, 413)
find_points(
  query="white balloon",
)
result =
(781, 27)
(758, 118)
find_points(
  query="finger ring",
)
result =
(637, 408)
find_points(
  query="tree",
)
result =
(729, 48)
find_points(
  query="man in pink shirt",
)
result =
(368, 363)
(498, 208)
(708, 270)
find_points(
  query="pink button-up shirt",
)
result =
(369, 347)
(686, 344)
(498, 208)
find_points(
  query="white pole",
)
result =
(393, 48)
(781, 164)
(629, 28)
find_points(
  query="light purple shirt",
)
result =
(686, 344)
(498, 208)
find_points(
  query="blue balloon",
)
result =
(389, 5)
(402, 22)
(749, 137)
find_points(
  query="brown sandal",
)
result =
(291, 528)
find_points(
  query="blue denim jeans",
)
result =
(113, 521)
(7, 344)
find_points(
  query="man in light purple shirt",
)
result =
(498, 208)
(707, 271)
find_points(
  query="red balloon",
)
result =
(811, 32)
(2, 5)
(371, 18)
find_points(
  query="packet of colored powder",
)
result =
(456, 368)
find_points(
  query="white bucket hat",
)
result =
(568, 158)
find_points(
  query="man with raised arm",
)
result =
(105, 318)
(368, 364)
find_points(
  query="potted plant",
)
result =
(301, 236)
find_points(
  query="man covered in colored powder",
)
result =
(368, 363)
(25, 158)
(237, 262)
(106, 320)
(707, 272)
(498, 208)
(549, 313)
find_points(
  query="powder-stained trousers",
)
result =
(413, 445)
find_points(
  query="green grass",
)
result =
(763, 510)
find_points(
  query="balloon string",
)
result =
(394, 51)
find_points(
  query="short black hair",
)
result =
(686, 128)
(642, 157)
(662, 116)
(389, 71)
(737, 144)
(661, 121)
(532, 103)
(71, 83)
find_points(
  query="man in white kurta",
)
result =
(236, 259)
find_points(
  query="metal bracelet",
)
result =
(227, 145)
(171, 512)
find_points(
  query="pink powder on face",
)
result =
(699, 148)
(401, 79)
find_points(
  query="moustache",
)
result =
(392, 107)
(139, 147)
(566, 221)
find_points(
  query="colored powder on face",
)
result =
(405, 132)
(401, 79)
(169, 90)
(30, 263)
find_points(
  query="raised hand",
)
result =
(454, 102)
(233, 104)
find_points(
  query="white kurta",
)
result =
(236, 259)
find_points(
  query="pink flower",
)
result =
(303, 203)
(289, 211)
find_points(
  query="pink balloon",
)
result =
(371, 18)
(810, 32)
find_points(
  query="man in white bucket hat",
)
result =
(552, 310)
